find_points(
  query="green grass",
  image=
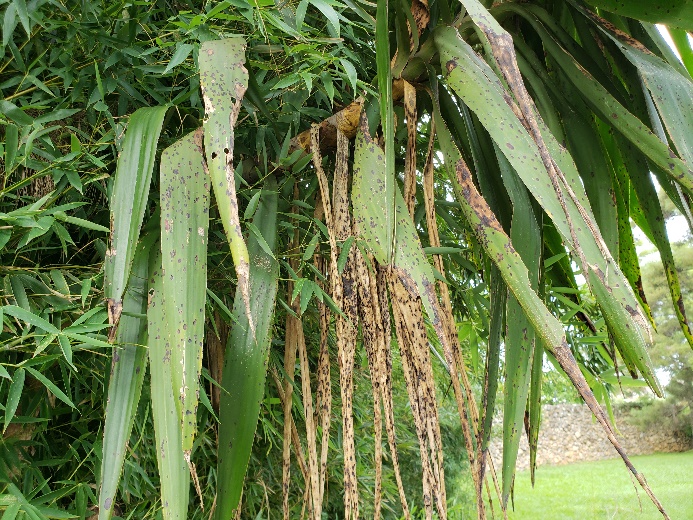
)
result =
(604, 490)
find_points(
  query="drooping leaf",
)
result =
(245, 360)
(386, 175)
(128, 203)
(184, 193)
(224, 81)
(13, 396)
(173, 470)
(466, 72)
(127, 376)
(520, 340)
(675, 13)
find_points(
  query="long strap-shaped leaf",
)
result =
(173, 471)
(245, 361)
(224, 80)
(410, 266)
(128, 203)
(675, 13)
(475, 83)
(520, 340)
(499, 248)
(127, 375)
(671, 91)
(184, 193)
(387, 120)
(604, 104)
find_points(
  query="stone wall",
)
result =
(569, 434)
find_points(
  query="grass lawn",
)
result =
(604, 490)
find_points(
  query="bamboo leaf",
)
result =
(13, 396)
(173, 470)
(245, 361)
(30, 318)
(128, 203)
(51, 386)
(184, 196)
(224, 81)
(127, 376)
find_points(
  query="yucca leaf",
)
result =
(525, 235)
(649, 202)
(184, 193)
(499, 248)
(671, 91)
(684, 46)
(173, 469)
(386, 175)
(608, 108)
(675, 13)
(499, 297)
(476, 84)
(627, 255)
(128, 203)
(127, 375)
(224, 80)
(595, 174)
(368, 200)
(534, 405)
(245, 360)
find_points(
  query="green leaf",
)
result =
(182, 52)
(11, 146)
(184, 193)
(328, 11)
(80, 222)
(609, 109)
(50, 386)
(308, 253)
(386, 176)
(9, 23)
(245, 361)
(127, 376)
(675, 13)
(478, 87)
(252, 205)
(224, 81)
(525, 235)
(30, 318)
(23, 14)
(13, 396)
(173, 470)
(671, 91)
(344, 254)
(350, 72)
(13, 112)
(129, 202)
